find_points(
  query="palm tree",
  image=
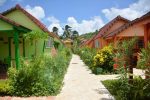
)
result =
(55, 30)
(67, 32)
(75, 35)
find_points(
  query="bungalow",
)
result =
(98, 41)
(13, 24)
(139, 27)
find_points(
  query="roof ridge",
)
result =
(106, 26)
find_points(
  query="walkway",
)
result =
(80, 84)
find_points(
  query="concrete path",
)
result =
(80, 84)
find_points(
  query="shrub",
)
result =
(42, 76)
(4, 87)
(126, 88)
(123, 91)
(144, 60)
(104, 60)
(87, 55)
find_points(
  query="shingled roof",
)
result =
(36, 21)
(106, 27)
(12, 22)
(122, 28)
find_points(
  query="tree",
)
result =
(67, 32)
(34, 36)
(75, 35)
(55, 30)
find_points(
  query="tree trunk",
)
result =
(130, 70)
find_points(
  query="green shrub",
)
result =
(42, 76)
(122, 91)
(104, 60)
(4, 87)
(87, 55)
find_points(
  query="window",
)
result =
(97, 45)
(140, 43)
(49, 43)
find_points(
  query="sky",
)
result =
(82, 15)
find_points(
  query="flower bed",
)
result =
(100, 62)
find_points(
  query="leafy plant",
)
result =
(137, 91)
(144, 60)
(104, 59)
(4, 87)
(34, 36)
(42, 76)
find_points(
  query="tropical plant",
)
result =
(104, 59)
(55, 30)
(67, 32)
(75, 35)
(34, 36)
(43, 76)
(87, 54)
(144, 60)
(129, 88)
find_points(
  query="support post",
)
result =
(16, 41)
(24, 54)
(145, 36)
(44, 46)
(9, 47)
(115, 41)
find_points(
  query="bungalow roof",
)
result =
(122, 28)
(12, 22)
(106, 27)
(36, 21)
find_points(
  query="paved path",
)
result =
(80, 84)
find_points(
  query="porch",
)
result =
(11, 45)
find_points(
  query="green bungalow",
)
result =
(13, 24)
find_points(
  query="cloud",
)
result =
(54, 23)
(134, 10)
(36, 11)
(85, 26)
(2, 2)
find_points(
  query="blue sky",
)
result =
(83, 15)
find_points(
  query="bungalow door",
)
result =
(13, 50)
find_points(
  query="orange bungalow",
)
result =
(98, 41)
(139, 27)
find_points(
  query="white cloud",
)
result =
(134, 10)
(85, 26)
(36, 11)
(52, 19)
(2, 2)
(54, 23)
